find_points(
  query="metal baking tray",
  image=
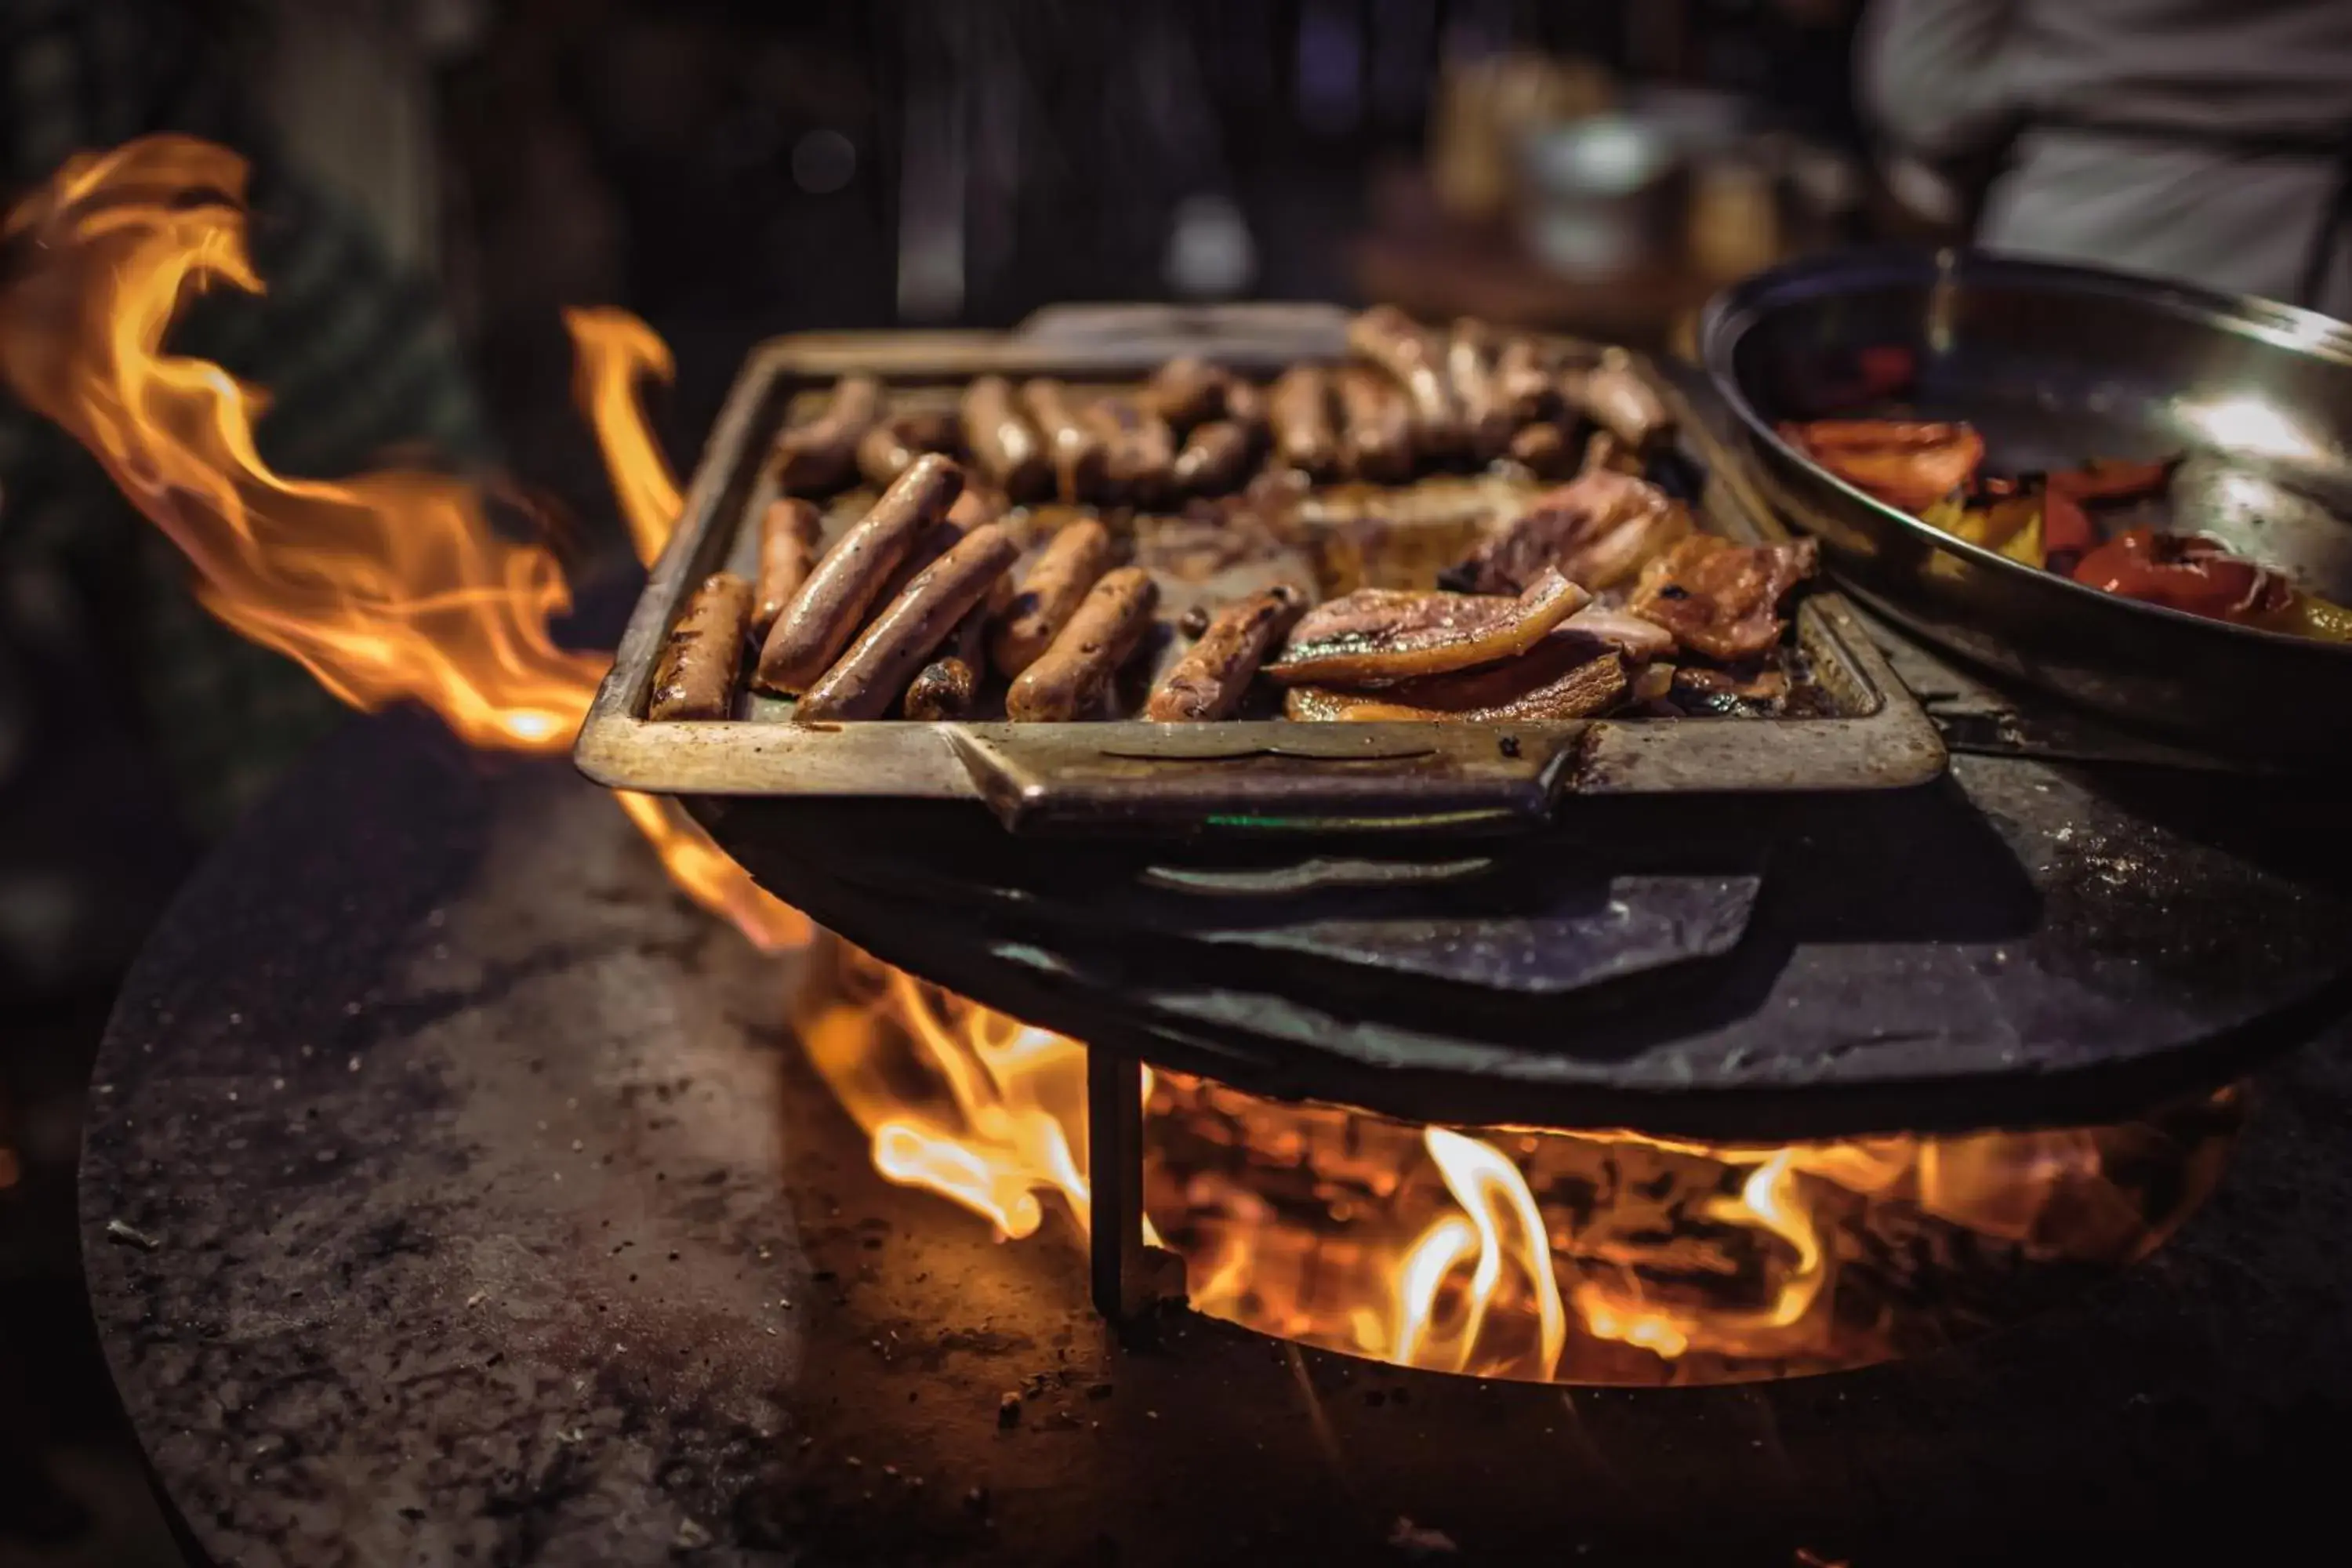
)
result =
(1256, 775)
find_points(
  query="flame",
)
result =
(1584, 1256)
(611, 352)
(389, 587)
(1603, 1256)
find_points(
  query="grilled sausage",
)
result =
(1619, 401)
(1299, 409)
(1209, 681)
(1186, 391)
(788, 544)
(822, 455)
(1245, 407)
(946, 688)
(1388, 338)
(891, 447)
(1077, 452)
(1547, 446)
(1215, 460)
(972, 509)
(826, 612)
(865, 680)
(1141, 448)
(1376, 425)
(1049, 595)
(1486, 420)
(696, 675)
(1525, 382)
(1076, 672)
(1003, 444)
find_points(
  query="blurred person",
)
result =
(2208, 141)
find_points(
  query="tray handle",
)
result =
(1269, 777)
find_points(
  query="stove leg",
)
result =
(1120, 1265)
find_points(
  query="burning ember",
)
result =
(1575, 1257)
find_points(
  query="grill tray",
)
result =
(1255, 776)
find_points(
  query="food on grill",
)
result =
(1615, 396)
(1298, 407)
(788, 532)
(1072, 677)
(1209, 681)
(1005, 445)
(1522, 690)
(1526, 380)
(1142, 450)
(1933, 471)
(891, 447)
(1215, 460)
(1050, 591)
(822, 455)
(1187, 391)
(1386, 633)
(1388, 338)
(1597, 531)
(1722, 599)
(696, 675)
(866, 681)
(1077, 451)
(832, 604)
(1393, 486)
(1486, 420)
(1376, 430)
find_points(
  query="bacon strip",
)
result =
(1597, 531)
(1539, 686)
(1721, 599)
(1380, 635)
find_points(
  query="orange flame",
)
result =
(389, 586)
(612, 350)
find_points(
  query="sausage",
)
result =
(1388, 338)
(823, 616)
(1078, 456)
(865, 680)
(1525, 382)
(1298, 406)
(1186, 391)
(1143, 450)
(1001, 443)
(788, 542)
(1619, 401)
(1215, 460)
(945, 688)
(972, 508)
(1074, 674)
(1049, 595)
(1245, 407)
(1209, 681)
(1376, 425)
(1546, 447)
(696, 675)
(822, 455)
(890, 448)
(1487, 420)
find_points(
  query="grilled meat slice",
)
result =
(1596, 530)
(1377, 635)
(1722, 600)
(1552, 682)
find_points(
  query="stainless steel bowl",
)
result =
(2056, 364)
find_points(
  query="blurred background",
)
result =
(437, 178)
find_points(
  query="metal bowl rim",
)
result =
(1732, 314)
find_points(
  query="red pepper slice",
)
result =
(2184, 573)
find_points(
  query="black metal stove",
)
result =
(453, 1193)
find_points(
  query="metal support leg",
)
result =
(1122, 1273)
